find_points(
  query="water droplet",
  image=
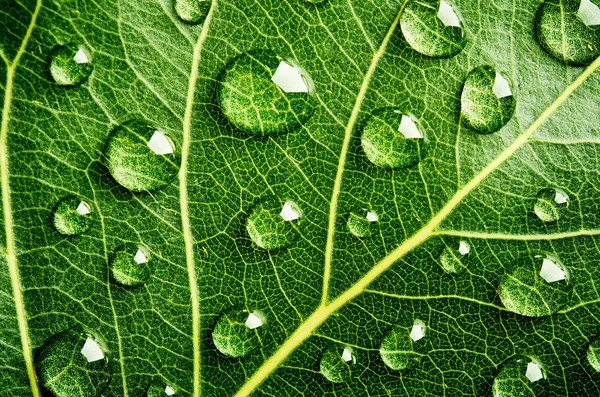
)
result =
(129, 265)
(550, 204)
(140, 157)
(70, 64)
(433, 27)
(392, 139)
(452, 258)
(397, 350)
(160, 389)
(272, 223)
(71, 216)
(487, 101)
(192, 11)
(337, 362)
(520, 376)
(538, 286)
(262, 93)
(237, 332)
(593, 354)
(73, 364)
(360, 225)
(570, 30)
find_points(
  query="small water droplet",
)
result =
(139, 157)
(538, 286)
(129, 265)
(70, 64)
(453, 256)
(73, 364)
(359, 224)
(392, 139)
(550, 204)
(433, 27)
(570, 30)
(520, 376)
(397, 350)
(593, 354)
(71, 216)
(237, 332)
(272, 224)
(487, 101)
(160, 389)
(192, 11)
(263, 94)
(337, 362)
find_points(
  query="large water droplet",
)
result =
(337, 362)
(129, 265)
(452, 257)
(237, 332)
(262, 93)
(70, 64)
(160, 389)
(537, 287)
(487, 101)
(140, 157)
(272, 223)
(360, 224)
(433, 27)
(570, 30)
(73, 364)
(392, 139)
(593, 354)
(550, 204)
(520, 376)
(192, 11)
(71, 216)
(397, 350)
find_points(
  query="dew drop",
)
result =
(570, 30)
(139, 157)
(337, 362)
(71, 216)
(593, 354)
(538, 286)
(73, 364)
(129, 265)
(359, 224)
(397, 350)
(160, 389)
(192, 11)
(452, 258)
(70, 64)
(433, 27)
(272, 224)
(550, 204)
(392, 139)
(520, 376)
(487, 101)
(237, 333)
(263, 94)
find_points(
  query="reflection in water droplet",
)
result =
(550, 204)
(272, 224)
(71, 216)
(160, 389)
(487, 101)
(452, 258)
(433, 28)
(570, 30)
(520, 376)
(593, 354)
(70, 64)
(417, 331)
(538, 286)
(360, 225)
(192, 11)
(237, 333)
(392, 139)
(263, 94)
(397, 351)
(337, 362)
(129, 265)
(139, 157)
(73, 364)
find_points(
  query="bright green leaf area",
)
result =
(328, 288)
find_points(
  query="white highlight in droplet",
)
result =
(551, 272)
(92, 351)
(140, 257)
(253, 321)
(289, 78)
(589, 13)
(160, 144)
(83, 208)
(169, 391)
(418, 331)
(347, 354)
(409, 128)
(501, 86)
(534, 372)
(372, 217)
(288, 213)
(560, 198)
(447, 15)
(464, 248)
(81, 57)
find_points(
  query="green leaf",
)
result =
(328, 288)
